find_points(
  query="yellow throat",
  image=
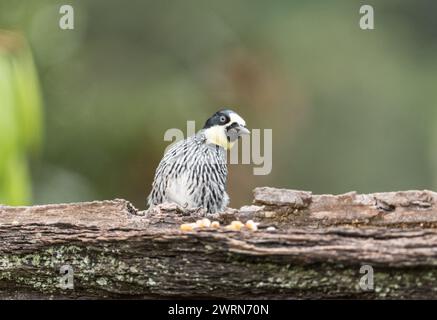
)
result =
(216, 135)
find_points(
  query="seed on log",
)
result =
(203, 223)
(215, 224)
(188, 226)
(252, 226)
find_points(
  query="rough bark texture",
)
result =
(316, 250)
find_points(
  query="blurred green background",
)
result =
(350, 109)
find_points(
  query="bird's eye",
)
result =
(222, 119)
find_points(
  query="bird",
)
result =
(193, 171)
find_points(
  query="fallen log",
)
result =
(306, 246)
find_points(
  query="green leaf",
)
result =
(17, 191)
(20, 118)
(28, 100)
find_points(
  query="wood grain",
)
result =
(316, 250)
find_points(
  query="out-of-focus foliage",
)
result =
(350, 109)
(20, 117)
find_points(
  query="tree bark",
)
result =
(319, 244)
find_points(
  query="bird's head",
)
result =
(224, 128)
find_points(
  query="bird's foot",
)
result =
(174, 208)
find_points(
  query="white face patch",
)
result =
(236, 118)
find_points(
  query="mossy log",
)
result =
(316, 249)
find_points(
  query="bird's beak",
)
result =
(242, 130)
(236, 131)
